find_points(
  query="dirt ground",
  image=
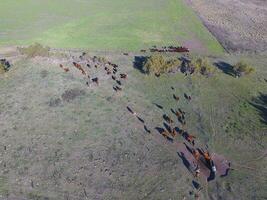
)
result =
(239, 25)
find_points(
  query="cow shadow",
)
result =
(139, 63)
(260, 103)
(185, 161)
(225, 68)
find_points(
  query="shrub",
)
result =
(242, 68)
(34, 50)
(2, 68)
(203, 66)
(158, 64)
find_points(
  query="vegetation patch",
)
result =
(242, 68)
(158, 64)
(202, 66)
(34, 50)
(72, 94)
(4, 66)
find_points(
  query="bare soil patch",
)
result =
(239, 25)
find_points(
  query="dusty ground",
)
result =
(239, 25)
(61, 139)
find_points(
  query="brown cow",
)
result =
(176, 97)
(123, 76)
(66, 69)
(196, 154)
(166, 134)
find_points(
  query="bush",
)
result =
(242, 68)
(2, 68)
(34, 50)
(203, 66)
(158, 64)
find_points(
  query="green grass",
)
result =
(102, 24)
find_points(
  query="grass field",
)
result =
(92, 147)
(103, 24)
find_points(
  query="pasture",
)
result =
(64, 140)
(104, 25)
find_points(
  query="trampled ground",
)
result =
(104, 24)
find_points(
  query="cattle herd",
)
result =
(170, 131)
(171, 49)
(85, 64)
(174, 127)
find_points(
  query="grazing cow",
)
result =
(95, 80)
(196, 154)
(115, 69)
(66, 69)
(143, 50)
(123, 76)
(78, 66)
(175, 97)
(108, 72)
(113, 77)
(118, 88)
(173, 132)
(191, 139)
(118, 82)
(115, 89)
(187, 97)
(95, 66)
(146, 129)
(61, 65)
(88, 65)
(167, 119)
(167, 135)
(125, 54)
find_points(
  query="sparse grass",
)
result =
(242, 68)
(34, 50)
(159, 64)
(90, 135)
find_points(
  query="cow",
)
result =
(95, 80)
(78, 66)
(113, 77)
(66, 69)
(167, 135)
(118, 88)
(61, 65)
(196, 154)
(123, 76)
(191, 139)
(176, 97)
(126, 54)
(118, 82)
